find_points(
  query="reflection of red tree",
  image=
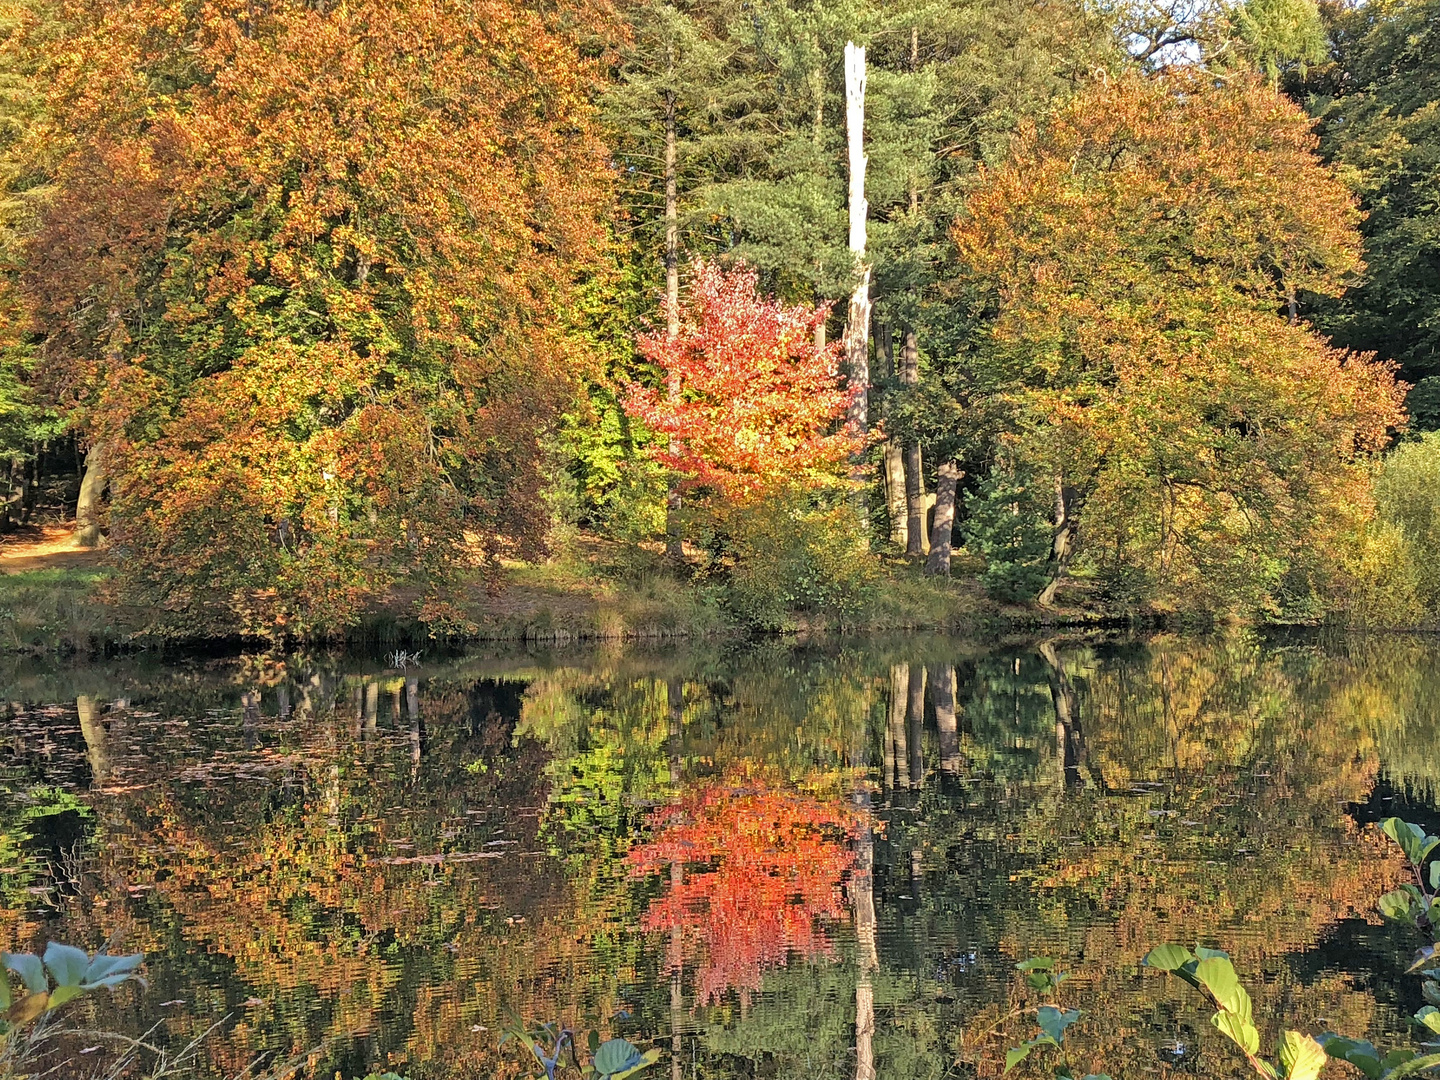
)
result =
(761, 868)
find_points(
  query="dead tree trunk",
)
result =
(857, 326)
(674, 543)
(939, 561)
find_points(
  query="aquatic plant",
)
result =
(1041, 976)
(61, 975)
(1298, 1056)
(612, 1059)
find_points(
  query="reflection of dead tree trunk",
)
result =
(942, 683)
(862, 899)
(675, 701)
(417, 726)
(915, 716)
(1069, 738)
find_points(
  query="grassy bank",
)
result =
(595, 591)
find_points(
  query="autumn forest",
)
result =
(716, 314)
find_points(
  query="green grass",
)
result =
(56, 610)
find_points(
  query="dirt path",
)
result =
(45, 547)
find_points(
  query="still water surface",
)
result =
(769, 861)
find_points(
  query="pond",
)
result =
(770, 860)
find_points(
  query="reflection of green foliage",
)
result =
(20, 813)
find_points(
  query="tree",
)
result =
(303, 276)
(756, 402)
(1136, 256)
(1377, 104)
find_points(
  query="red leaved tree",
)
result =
(749, 400)
(761, 869)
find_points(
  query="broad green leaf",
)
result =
(1398, 905)
(616, 1056)
(1301, 1057)
(1036, 963)
(592, 1041)
(1435, 875)
(30, 970)
(1395, 1058)
(1211, 954)
(1218, 976)
(1413, 1066)
(1168, 957)
(105, 970)
(1429, 1018)
(1411, 838)
(66, 963)
(1431, 990)
(4, 991)
(648, 1058)
(61, 994)
(1040, 980)
(1240, 1030)
(1357, 1052)
(1015, 1055)
(1054, 1021)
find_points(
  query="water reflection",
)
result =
(775, 861)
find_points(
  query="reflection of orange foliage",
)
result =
(761, 867)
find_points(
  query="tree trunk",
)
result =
(943, 692)
(87, 506)
(1062, 549)
(895, 503)
(674, 542)
(916, 541)
(857, 326)
(14, 512)
(939, 561)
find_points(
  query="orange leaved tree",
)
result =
(1143, 258)
(749, 401)
(301, 279)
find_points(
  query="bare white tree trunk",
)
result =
(674, 543)
(857, 326)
